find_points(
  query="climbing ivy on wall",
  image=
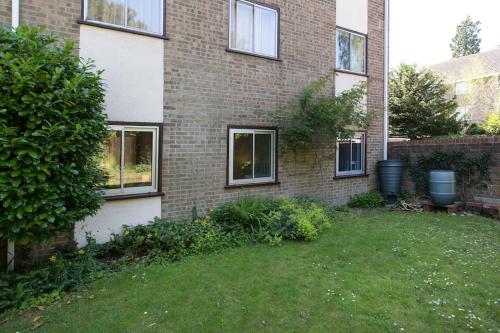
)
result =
(470, 171)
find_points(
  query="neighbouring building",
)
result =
(475, 81)
(187, 80)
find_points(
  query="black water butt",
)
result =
(390, 174)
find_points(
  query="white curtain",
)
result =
(265, 32)
(146, 15)
(243, 36)
(357, 54)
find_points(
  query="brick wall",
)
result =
(208, 88)
(472, 146)
(5, 13)
(57, 16)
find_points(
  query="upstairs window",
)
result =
(251, 156)
(131, 160)
(462, 88)
(463, 112)
(253, 28)
(351, 52)
(139, 15)
(351, 155)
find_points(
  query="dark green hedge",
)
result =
(52, 127)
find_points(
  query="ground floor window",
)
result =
(252, 154)
(351, 155)
(131, 160)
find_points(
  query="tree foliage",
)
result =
(492, 124)
(419, 106)
(466, 40)
(52, 127)
(320, 117)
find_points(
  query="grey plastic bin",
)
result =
(442, 187)
(390, 174)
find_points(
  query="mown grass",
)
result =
(375, 272)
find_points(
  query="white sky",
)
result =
(421, 30)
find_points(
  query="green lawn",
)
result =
(377, 272)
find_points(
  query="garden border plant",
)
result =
(246, 221)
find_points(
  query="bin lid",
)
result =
(391, 163)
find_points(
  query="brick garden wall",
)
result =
(472, 146)
(208, 88)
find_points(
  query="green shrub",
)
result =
(343, 209)
(171, 240)
(63, 272)
(52, 127)
(296, 220)
(247, 213)
(370, 199)
(406, 195)
(492, 124)
(476, 129)
(231, 225)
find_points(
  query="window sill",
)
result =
(253, 55)
(133, 196)
(363, 175)
(232, 187)
(122, 29)
(351, 73)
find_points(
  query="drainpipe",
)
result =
(15, 13)
(10, 244)
(386, 77)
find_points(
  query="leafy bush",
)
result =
(248, 214)
(296, 220)
(343, 209)
(273, 220)
(231, 225)
(492, 124)
(372, 199)
(52, 126)
(64, 272)
(407, 195)
(172, 240)
(476, 129)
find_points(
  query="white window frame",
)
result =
(463, 112)
(365, 38)
(155, 158)
(357, 135)
(125, 27)
(464, 91)
(232, 4)
(232, 132)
